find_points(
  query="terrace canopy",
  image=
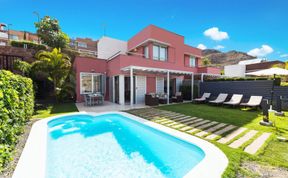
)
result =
(133, 69)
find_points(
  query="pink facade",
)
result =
(177, 58)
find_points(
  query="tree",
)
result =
(206, 61)
(55, 65)
(50, 33)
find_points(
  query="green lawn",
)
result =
(48, 110)
(274, 152)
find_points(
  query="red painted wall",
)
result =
(151, 85)
(85, 64)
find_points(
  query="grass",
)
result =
(48, 110)
(273, 153)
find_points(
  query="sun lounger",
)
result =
(204, 97)
(220, 99)
(235, 100)
(254, 101)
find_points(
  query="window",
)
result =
(13, 37)
(192, 61)
(146, 52)
(81, 44)
(90, 83)
(159, 52)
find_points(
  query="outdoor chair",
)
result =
(163, 98)
(177, 98)
(235, 100)
(151, 99)
(204, 97)
(87, 100)
(254, 102)
(220, 99)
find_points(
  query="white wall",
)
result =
(121, 89)
(107, 47)
(235, 70)
(159, 85)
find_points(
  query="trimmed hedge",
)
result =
(277, 79)
(16, 108)
(30, 45)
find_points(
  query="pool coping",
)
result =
(32, 162)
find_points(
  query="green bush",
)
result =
(30, 45)
(240, 79)
(16, 107)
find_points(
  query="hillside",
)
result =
(221, 58)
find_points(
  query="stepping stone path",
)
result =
(256, 144)
(232, 135)
(242, 140)
(212, 129)
(220, 132)
(237, 137)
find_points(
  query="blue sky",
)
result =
(256, 26)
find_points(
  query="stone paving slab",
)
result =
(212, 129)
(186, 128)
(242, 140)
(207, 125)
(219, 132)
(192, 131)
(188, 119)
(166, 122)
(232, 135)
(199, 123)
(178, 126)
(193, 121)
(257, 143)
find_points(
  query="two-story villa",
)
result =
(153, 61)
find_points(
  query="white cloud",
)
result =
(261, 52)
(283, 55)
(215, 34)
(219, 47)
(202, 46)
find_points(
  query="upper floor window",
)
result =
(81, 44)
(146, 52)
(13, 37)
(160, 52)
(192, 61)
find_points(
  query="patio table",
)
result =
(96, 99)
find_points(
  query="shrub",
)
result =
(30, 45)
(16, 107)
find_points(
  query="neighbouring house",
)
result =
(153, 61)
(243, 67)
(84, 46)
(3, 34)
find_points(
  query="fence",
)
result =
(7, 61)
(247, 88)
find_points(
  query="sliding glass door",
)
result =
(91, 83)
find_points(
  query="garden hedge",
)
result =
(30, 45)
(16, 108)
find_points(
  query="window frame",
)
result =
(83, 44)
(92, 82)
(146, 52)
(158, 57)
(190, 63)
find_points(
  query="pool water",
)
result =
(112, 145)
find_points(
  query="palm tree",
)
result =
(55, 65)
(206, 61)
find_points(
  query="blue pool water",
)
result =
(111, 145)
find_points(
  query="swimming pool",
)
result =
(116, 145)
